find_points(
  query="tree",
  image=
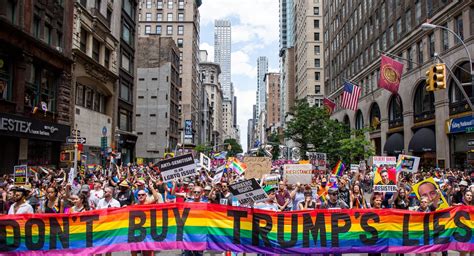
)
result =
(234, 147)
(203, 148)
(311, 126)
(274, 139)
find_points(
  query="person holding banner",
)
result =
(308, 202)
(53, 204)
(81, 204)
(334, 202)
(108, 201)
(20, 206)
(357, 198)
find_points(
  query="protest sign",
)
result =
(385, 179)
(178, 167)
(355, 167)
(205, 162)
(382, 160)
(257, 166)
(218, 176)
(198, 226)
(272, 180)
(20, 173)
(430, 189)
(248, 191)
(294, 173)
(318, 160)
(408, 163)
(71, 176)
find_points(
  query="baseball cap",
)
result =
(208, 188)
(463, 183)
(332, 190)
(268, 189)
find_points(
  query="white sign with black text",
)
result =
(178, 167)
(248, 192)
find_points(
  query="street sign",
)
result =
(72, 140)
(104, 131)
(469, 129)
(76, 133)
(470, 143)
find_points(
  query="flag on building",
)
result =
(350, 96)
(390, 74)
(338, 170)
(330, 105)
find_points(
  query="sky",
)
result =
(255, 26)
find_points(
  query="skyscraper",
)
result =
(262, 69)
(222, 50)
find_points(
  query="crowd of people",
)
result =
(121, 186)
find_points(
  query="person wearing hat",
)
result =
(125, 196)
(334, 202)
(20, 206)
(270, 203)
(458, 195)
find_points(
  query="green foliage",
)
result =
(311, 126)
(274, 140)
(203, 148)
(234, 148)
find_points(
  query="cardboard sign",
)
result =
(383, 160)
(178, 167)
(429, 188)
(355, 167)
(257, 166)
(21, 174)
(385, 180)
(318, 160)
(408, 163)
(295, 173)
(205, 162)
(248, 192)
(71, 176)
(218, 176)
(272, 180)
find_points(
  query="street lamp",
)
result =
(429, 26)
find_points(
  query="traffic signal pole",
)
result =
(75, 152)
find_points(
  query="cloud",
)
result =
(210, 51)
(245, 102)
(241, 65)
(257, 19)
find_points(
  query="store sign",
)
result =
(462, 124)
(13, 125)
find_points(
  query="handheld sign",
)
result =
(21, 174)
(218, 176)
(407, 163)
(205, 162)
(272, 180)
(248, 191)
(178, 167)
(295, 173)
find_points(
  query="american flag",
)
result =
(350, 96)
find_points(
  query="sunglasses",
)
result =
(333, 194)
(141, 194)
(197, 192)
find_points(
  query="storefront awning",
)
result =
(394, 144)
(424, 140)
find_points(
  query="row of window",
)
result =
(90, 98)
(96, 46)
(159, 4)
(158, 30)
(159, 17)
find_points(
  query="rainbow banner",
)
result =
(338, 170)
(238, 166)
(201, 226)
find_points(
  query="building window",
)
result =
(431, 44)
(181, 4)
(40, 88)
(107, 58)
(423, 102)
(359, 122)
(317, 89)
(126, 91)
(36, 27)
(125, 120)
(5, 79)
(399, 28)
(125, 63)
(169, 30)
(395, 114)
(316, 23)
(47, 34)
(316, 36)
(408, 20)
(148, 4)
(317, 63)
(170, 4)
(11, 11)
(316, 10)
(158, 29)
(429, 7)
(128, 6)
(410, 58)
(83, 40)
(147, 29)
(375, 117)
(126, 35)
(458, 28)
(159, 4)
(95, 49)
(98, 3)
(180, 16)
(420, 52)
(159, 17)
(148, 16)
(317, 76)
(170, 17)
(180, 30)
(418, 12)
(445, 39)
(317, 49)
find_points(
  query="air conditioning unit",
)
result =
(59, 49)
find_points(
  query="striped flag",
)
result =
(350, 96)
(330, 105)
(238, 166)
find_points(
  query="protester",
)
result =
(53, 204)
(108, 201)
(81, 203)
(334, 202)
(282, 197)
(308, 202)
(20, 206)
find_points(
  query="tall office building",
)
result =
(434, 126)
(272, 83)
(262, 69)
(179, 19)
(308, 43)
(222, 54)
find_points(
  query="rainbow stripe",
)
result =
(338, 170)
(201, 226)
(238, 166)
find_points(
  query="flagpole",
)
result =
(398, 57)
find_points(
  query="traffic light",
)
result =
(439, 76)
(429, 80)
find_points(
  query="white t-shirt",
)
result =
(95, 196)
(104, 204)
(24, 208)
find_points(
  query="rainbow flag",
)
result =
(238, 166)
(338, 170)
(201, 226)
